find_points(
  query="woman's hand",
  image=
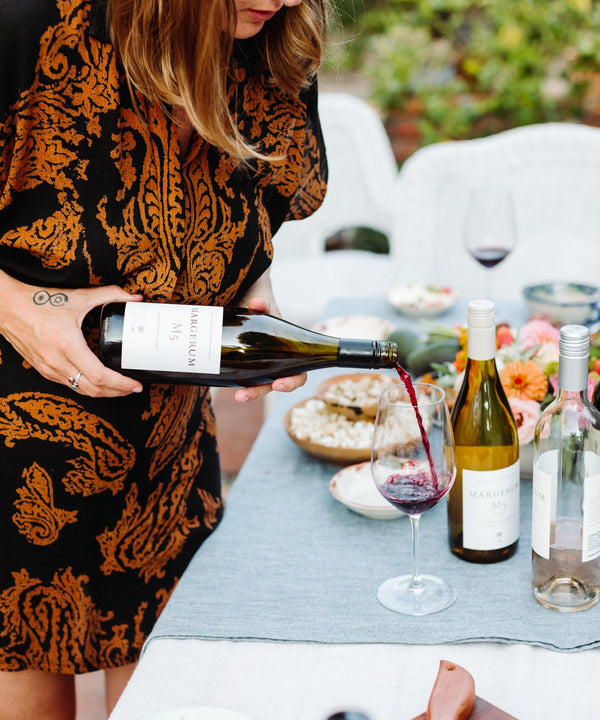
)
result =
(44, 327)
(260, 299)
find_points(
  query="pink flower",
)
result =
(526, 414)
(547, 353)
(538, 332)
(591, 386)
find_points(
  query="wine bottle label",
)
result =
(544, 514)
(491, 507)
(172, 338)
(591, 510)
(543, 504)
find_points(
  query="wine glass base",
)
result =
(434, 595)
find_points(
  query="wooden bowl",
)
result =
(347, 453)
(354, 395)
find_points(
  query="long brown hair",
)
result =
(179, 53)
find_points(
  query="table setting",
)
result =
(278, 614)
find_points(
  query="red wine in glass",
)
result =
(489, 257)
(412, 489)
(407, 381)
(490, 229)
(413, 467)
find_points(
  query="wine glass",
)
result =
(490, 231)
(413, 466)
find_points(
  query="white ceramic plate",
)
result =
(359, 327)
(197, 713)
(420, 299)
(354, 487)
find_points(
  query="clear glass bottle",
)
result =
(483, 504)
(566, 486)
(222, 346)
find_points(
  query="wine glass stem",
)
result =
(416, 584)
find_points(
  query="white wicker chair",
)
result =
(554, 171)
(362, 170)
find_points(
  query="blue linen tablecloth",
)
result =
(290, 563)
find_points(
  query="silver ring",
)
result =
(74, 381)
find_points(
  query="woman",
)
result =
(148, 150)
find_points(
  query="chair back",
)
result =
(553, 170)
(362, 170)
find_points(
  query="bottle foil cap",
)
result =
(573, 350)
(574, 341)
(481, 330)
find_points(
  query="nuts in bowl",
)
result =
(355, 395)
(340, 430)
(336, 424)
(327, 435)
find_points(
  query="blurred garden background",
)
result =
(453, 69)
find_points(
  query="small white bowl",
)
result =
(354, 487)
(358, 327)
(421, 300)
(564, 302)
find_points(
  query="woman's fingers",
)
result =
(285, 384)
(95, 379)
(44, 327)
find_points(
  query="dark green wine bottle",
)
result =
(217, 346)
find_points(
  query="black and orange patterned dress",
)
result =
(104, 501)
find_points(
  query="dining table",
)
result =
(277, 617)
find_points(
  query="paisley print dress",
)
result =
(104, 501)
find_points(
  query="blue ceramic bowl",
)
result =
(564, 302)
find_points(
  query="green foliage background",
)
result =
(472, 67)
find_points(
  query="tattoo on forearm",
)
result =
(41, 297)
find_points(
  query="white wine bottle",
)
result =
(217, 346)
(483, 504)
(565, 535)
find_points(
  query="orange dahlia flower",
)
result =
(460, 361)
(524, 380)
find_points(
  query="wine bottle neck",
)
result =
(480, 371)
(569, 395)
(573, 374)
(367, 353)
(481, 343)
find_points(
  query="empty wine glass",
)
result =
(413, 466)
(490, 231)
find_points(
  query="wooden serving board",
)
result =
(483, 710)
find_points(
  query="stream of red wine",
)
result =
(407, 381)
